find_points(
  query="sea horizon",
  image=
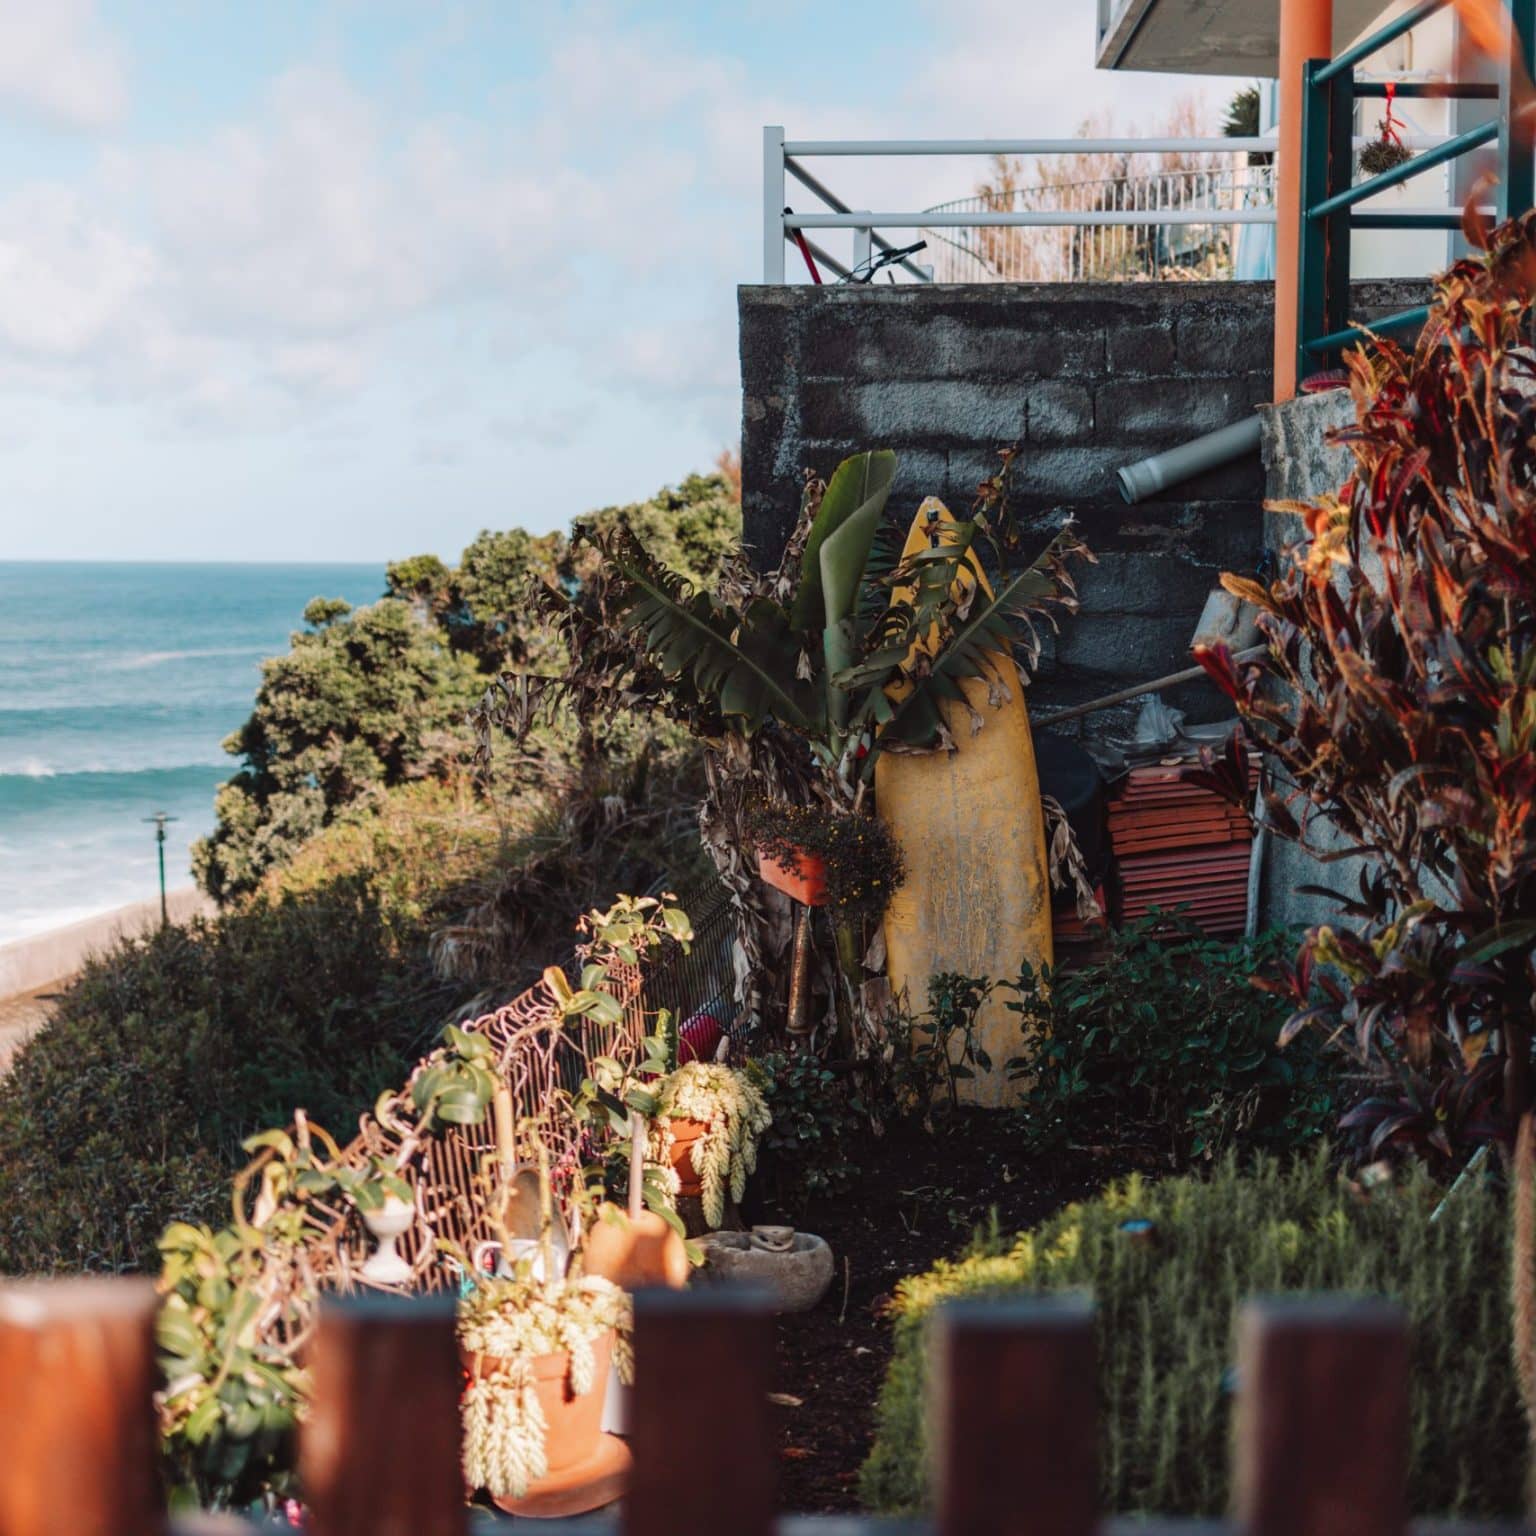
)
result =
(119, 682)
(72, 560)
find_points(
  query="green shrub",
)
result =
(1168, 1037)
(362, 700)
(818, 1118)
(128, 1108)
(370, 699)
(1164, 1324)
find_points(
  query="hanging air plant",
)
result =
(1386, 151)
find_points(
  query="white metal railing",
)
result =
(1099, 252)
(782, 160)
(1157, 205)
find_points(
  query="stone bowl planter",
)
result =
(798, 1276)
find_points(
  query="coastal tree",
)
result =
(369, 699)
(363, 699)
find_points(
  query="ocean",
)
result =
(117, 685)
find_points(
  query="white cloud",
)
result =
(58, 62)
(69, 285)
(266, 266)
(280, 265)
(312, 221)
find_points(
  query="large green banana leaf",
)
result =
(854, 496)
(745, 661)
(980, 645)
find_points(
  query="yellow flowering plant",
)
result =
(863, 862)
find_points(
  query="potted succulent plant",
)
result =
(709, 1118)
(537, 1353)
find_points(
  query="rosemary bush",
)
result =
(1165, 1324)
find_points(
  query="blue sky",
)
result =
(348, 279)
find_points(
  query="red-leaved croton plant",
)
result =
(1397, 703)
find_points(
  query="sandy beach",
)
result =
(33, 969)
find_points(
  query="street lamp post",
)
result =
(158, 820)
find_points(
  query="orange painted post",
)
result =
(1306, 32)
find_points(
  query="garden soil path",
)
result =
(919, 1199)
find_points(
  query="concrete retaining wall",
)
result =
(29, 964)
(1299, 464)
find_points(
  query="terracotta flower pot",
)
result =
(806, 883)
(575, 1424)
(636, 1251)
(684, 1134)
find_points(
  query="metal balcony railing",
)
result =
(1106, 252)
(1147, 222)
(1330, 193)
(783, 161)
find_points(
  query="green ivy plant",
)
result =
(234, 1385)
(945, 1050)
(457, 1088)
(238, 1300)
(818, 1116)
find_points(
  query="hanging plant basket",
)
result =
(842, 860)
(801, 875)
(1386, 151)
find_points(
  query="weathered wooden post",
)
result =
(380, 1453)
(1322, 1418)
(702, 1428)
(1013, 1421)
(77, 1381)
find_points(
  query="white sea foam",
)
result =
(119, 767)
(142, 659)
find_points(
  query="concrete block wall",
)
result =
(1299, 464)
(1086, 378)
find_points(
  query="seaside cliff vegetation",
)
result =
(371, 698)
(377, 876)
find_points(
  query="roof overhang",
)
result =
(1210, 37)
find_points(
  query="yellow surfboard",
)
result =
(977, 894)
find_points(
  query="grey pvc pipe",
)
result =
(1149, 476)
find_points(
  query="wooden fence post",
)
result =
(706, 1462)
(1322, 1418)
(77, 1383)
(380, 1453)
(1013, 1393)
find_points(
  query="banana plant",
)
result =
(866, 652)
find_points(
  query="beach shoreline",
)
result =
(44, 961)
(35, 969)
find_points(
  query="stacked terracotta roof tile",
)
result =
(1178, 844)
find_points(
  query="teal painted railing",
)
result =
(1330, 194)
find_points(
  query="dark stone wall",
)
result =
(1086, 377)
